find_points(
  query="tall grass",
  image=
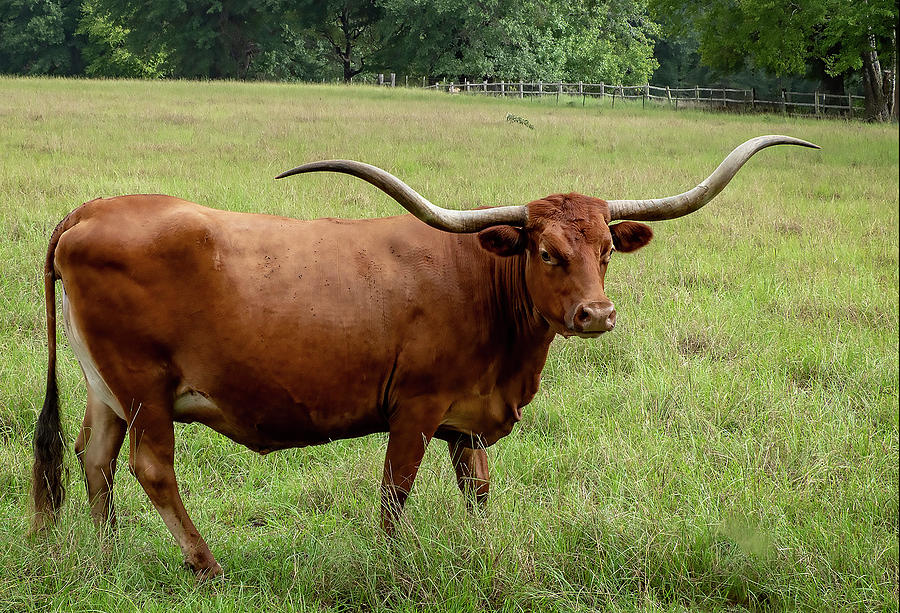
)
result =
(733, 444)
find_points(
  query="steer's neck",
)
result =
(514, 310)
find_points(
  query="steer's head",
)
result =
(566, 240)
(567, 244)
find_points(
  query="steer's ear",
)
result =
(630, 235)
(503, 240)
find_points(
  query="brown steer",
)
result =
(282, 333)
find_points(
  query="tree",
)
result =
(104, 51)
(457, 39)
(787, 37)
(353, 31)
(38, 37)
(607, 40)
(610, 40)
(199, 38)
(301, 56)
(855, 36)
(679, 64)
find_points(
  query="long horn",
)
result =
(658, 209)
(448, 220)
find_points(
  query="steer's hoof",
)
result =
(207, 572)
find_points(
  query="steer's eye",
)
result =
(545, 257)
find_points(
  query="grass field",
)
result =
(732, 444)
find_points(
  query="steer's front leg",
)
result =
(409, 436)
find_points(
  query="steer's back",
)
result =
(274, 331)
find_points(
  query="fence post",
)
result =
(816, 101)
(668, 95)
(752, 98)
(697, 94)
(724, 99)
(380, 79)
(580, 88)
(783, 102)
(850, 105)
(521, 89)
(393, 80)
(541, 88)
(602, 91)
(503, 88)
(558, 90)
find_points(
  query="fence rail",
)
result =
(806, 103)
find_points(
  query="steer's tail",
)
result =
(48, 473)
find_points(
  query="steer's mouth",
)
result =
(589, 334)
(570, 333)
(567, 332)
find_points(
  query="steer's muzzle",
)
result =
(593, 318)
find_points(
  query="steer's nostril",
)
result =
(611, 320)
(583, 316)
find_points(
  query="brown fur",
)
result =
(282, 333)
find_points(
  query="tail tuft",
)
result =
(48, 473)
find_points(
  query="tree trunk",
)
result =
(896, 104)
(347, 53)
(873, 86)
(349, 72)
(347, 63)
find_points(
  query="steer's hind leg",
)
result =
(472, 474)
(97, 448)
(152, 441)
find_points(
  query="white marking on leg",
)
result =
(88, 365)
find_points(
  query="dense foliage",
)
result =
(617, 41)
(315, 40)
(834, 38)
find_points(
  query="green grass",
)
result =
(733, 444)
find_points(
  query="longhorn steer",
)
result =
(282, 333)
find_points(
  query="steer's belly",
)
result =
(264, 427)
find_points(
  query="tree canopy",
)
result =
(832, 42)
(837, 37)
(318, 39)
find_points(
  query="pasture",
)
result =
(732, 444)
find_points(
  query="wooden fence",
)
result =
(743, 100)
